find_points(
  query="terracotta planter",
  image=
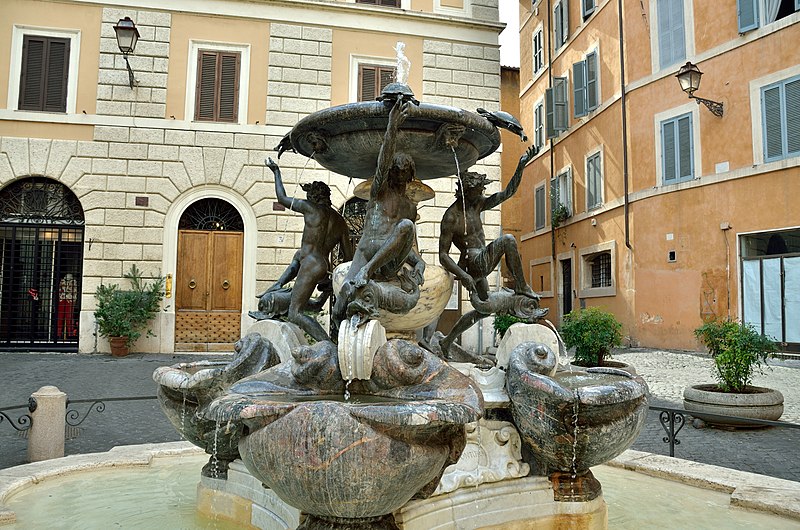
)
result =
(757, 403)
(119, 346)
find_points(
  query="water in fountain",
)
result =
(461, 180)
(575, 433)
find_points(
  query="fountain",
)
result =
(369, 429)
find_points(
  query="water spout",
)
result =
(403, 63)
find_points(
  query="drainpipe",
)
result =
(552, 146)
(627, 207)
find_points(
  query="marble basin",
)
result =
(573, 420)
(347, 138)
(185, 389)
(356, 459)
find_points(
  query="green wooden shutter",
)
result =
(587, 7)
(592, 89)
(593, 196)
(560, 110)
(671, 37)
(747, 14)
(685, 148)
(551, 113)
(579, 88)
(668, 151)
(540, 217)
(538, 125)
(772, 123)
(792, 107)
(558, 14)
(564, 21)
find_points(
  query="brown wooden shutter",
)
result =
(217, 97)
(372, 80)
(45, 71)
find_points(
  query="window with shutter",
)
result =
(386, 3)
(579, 88)
(671, 35)
(372, 79)
(563, 189)
(780, 110)
(747, 15)
(560, 110)
(677, 149)
(217, 91)
(550, 111)
(564, 21)
(594, 182)
(587, 7)
(540, 216)
(592, 86)
(538, 53)
(558, 25)
(44, 74)
(538, 125)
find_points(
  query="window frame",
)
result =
(356, 61)
(560, 24)
(756, 111)
(554, 127)
(563, 189)
(18, 33)
(598, 154)
(586, 13)
(758, 13)
(537, 53)
(584, 89)
(539, 191)
(586, 256)
(195, 46)
(379, 68)
(539, 128)
(688, 36)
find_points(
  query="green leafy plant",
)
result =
(738, 351)
(502, 322)
(592, 332)
(126, 313)
(559, 214)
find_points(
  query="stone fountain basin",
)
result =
(352, 135)
(611, 410)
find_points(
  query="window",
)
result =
(561, 193)
(44, 73)
(388, 3)
(372, 79)
(539, 206)
(560, 24)
(587, 8)
(538, 125)
(538, 53)
(754, 13)
(677, 149)
(601, 270)
(780, 110)
(556, 107)
(594, 181)
(671, 34)
(217, 90)
(585, 85)
(597, 264)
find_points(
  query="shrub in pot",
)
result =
(738, 351)
(592, 332)
(122, 315)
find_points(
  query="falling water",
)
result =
(183, 413)
(562, 348)
(575, 433)
(403, 63)
(214, 458)
(355, 320)
(461, 180)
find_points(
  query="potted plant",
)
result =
(738, 351)
(122, 315)
(593, 332)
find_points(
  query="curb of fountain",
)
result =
(15, 479)
(747, 490)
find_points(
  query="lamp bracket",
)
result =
(131, 80)
(713, 106)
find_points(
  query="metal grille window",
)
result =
(372, 79)
(217, 91)
(211, 214)
(601, 270)
(45, 69)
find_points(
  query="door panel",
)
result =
(192, 279)
(226, 283)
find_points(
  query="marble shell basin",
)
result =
(347, 139)
(361, 458)
(604, 408)
(435, 292)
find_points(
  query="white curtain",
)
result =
(751, 297)
(773, 319)
(771, 8)
(791, 266)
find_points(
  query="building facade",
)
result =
(163, 167)
(644, 201)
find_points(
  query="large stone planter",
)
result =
(758, 403)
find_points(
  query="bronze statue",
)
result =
(387, 241)
(462, 226)
(324, 228)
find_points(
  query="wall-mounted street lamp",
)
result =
(689, 78)
(127, 36)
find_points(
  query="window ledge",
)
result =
(597, 292)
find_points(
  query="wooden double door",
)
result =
(208, 290)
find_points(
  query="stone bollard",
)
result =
(46, 435)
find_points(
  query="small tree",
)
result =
(738, 351)
(125, 313)
(593, 332)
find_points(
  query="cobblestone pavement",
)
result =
(770, 451)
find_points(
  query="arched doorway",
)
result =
(41, 265)
(208, 279)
